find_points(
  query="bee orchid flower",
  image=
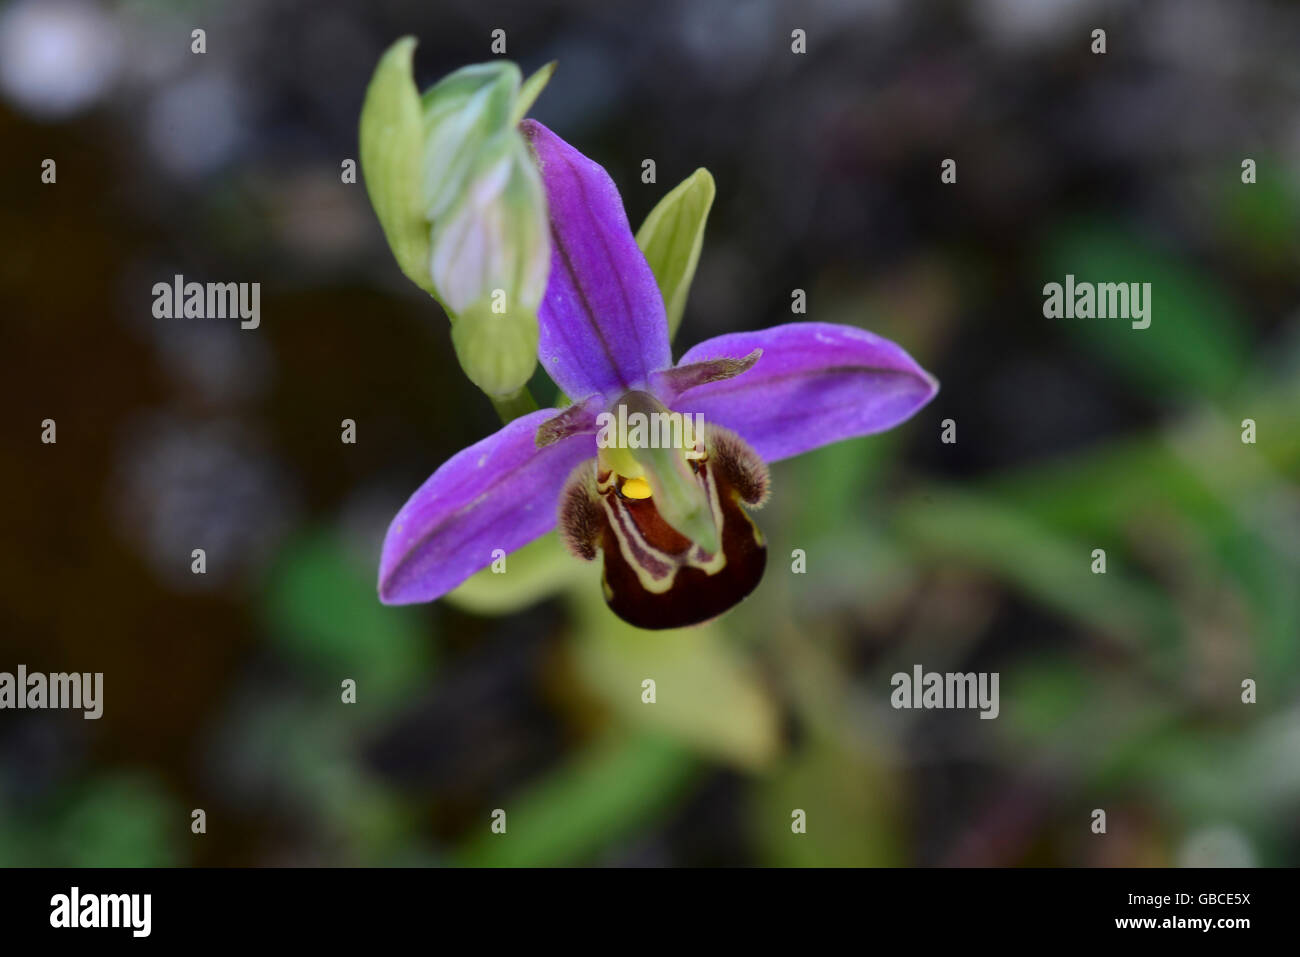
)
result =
(655, 467)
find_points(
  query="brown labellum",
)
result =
(654, 577)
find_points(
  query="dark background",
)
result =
(1119, 692)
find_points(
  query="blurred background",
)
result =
(222, 691)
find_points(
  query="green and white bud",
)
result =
(496, 351)
(462, 205)
(496, 239)
(463, 114)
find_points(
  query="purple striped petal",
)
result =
(502, 492)
(815, 384)
(602, 325)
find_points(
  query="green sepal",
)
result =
(671, 239)
(533, 573)
(530, 91)
(391, 137)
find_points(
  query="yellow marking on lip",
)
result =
(635, 488)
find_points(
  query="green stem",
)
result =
(513, 406)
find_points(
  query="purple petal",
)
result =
(501, 492)
(602, 323)
(815, 384)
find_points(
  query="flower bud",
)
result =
(497, 351)
(462, 206)
(495, 241)
(462, 113)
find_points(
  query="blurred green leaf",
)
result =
(602, 795)
(1050, 693)
(849, 802)
(708, 695)
(117, 820)
(1194, 346)
(321, 610)
(1208, 487)
(1261, 216)
(980, 532)
(303, 753)
(671, 238)
(835, 484)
